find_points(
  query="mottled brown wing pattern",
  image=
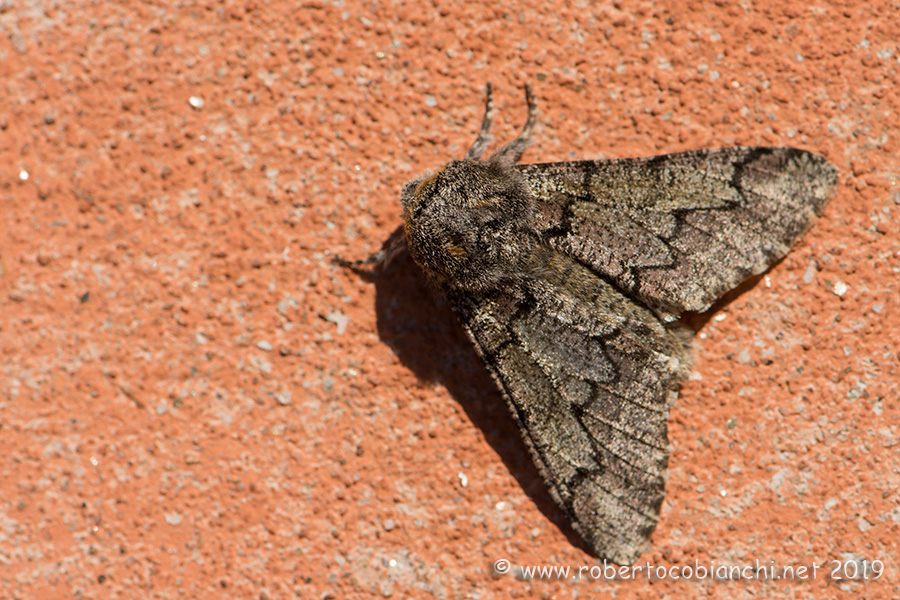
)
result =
(589, 376)
(678, 231)
(565, 274)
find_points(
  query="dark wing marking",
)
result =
(679, 230)
(589, 376)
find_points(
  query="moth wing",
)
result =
(679, 230)
(588, 375)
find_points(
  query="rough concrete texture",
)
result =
(196, 402)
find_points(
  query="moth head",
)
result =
(470, 224)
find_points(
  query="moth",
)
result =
(570, 278)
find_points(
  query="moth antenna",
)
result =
(532, 118)
(484, 136)
(512, 152)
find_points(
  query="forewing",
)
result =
(679, 230)
(589, 376)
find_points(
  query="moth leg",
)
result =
(393, 247)
(484, 136)
(512, 152)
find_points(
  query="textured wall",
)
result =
(195, 401)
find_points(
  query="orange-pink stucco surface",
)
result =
(196, 402)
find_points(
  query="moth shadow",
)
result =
(415, 320)
(695, 321)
